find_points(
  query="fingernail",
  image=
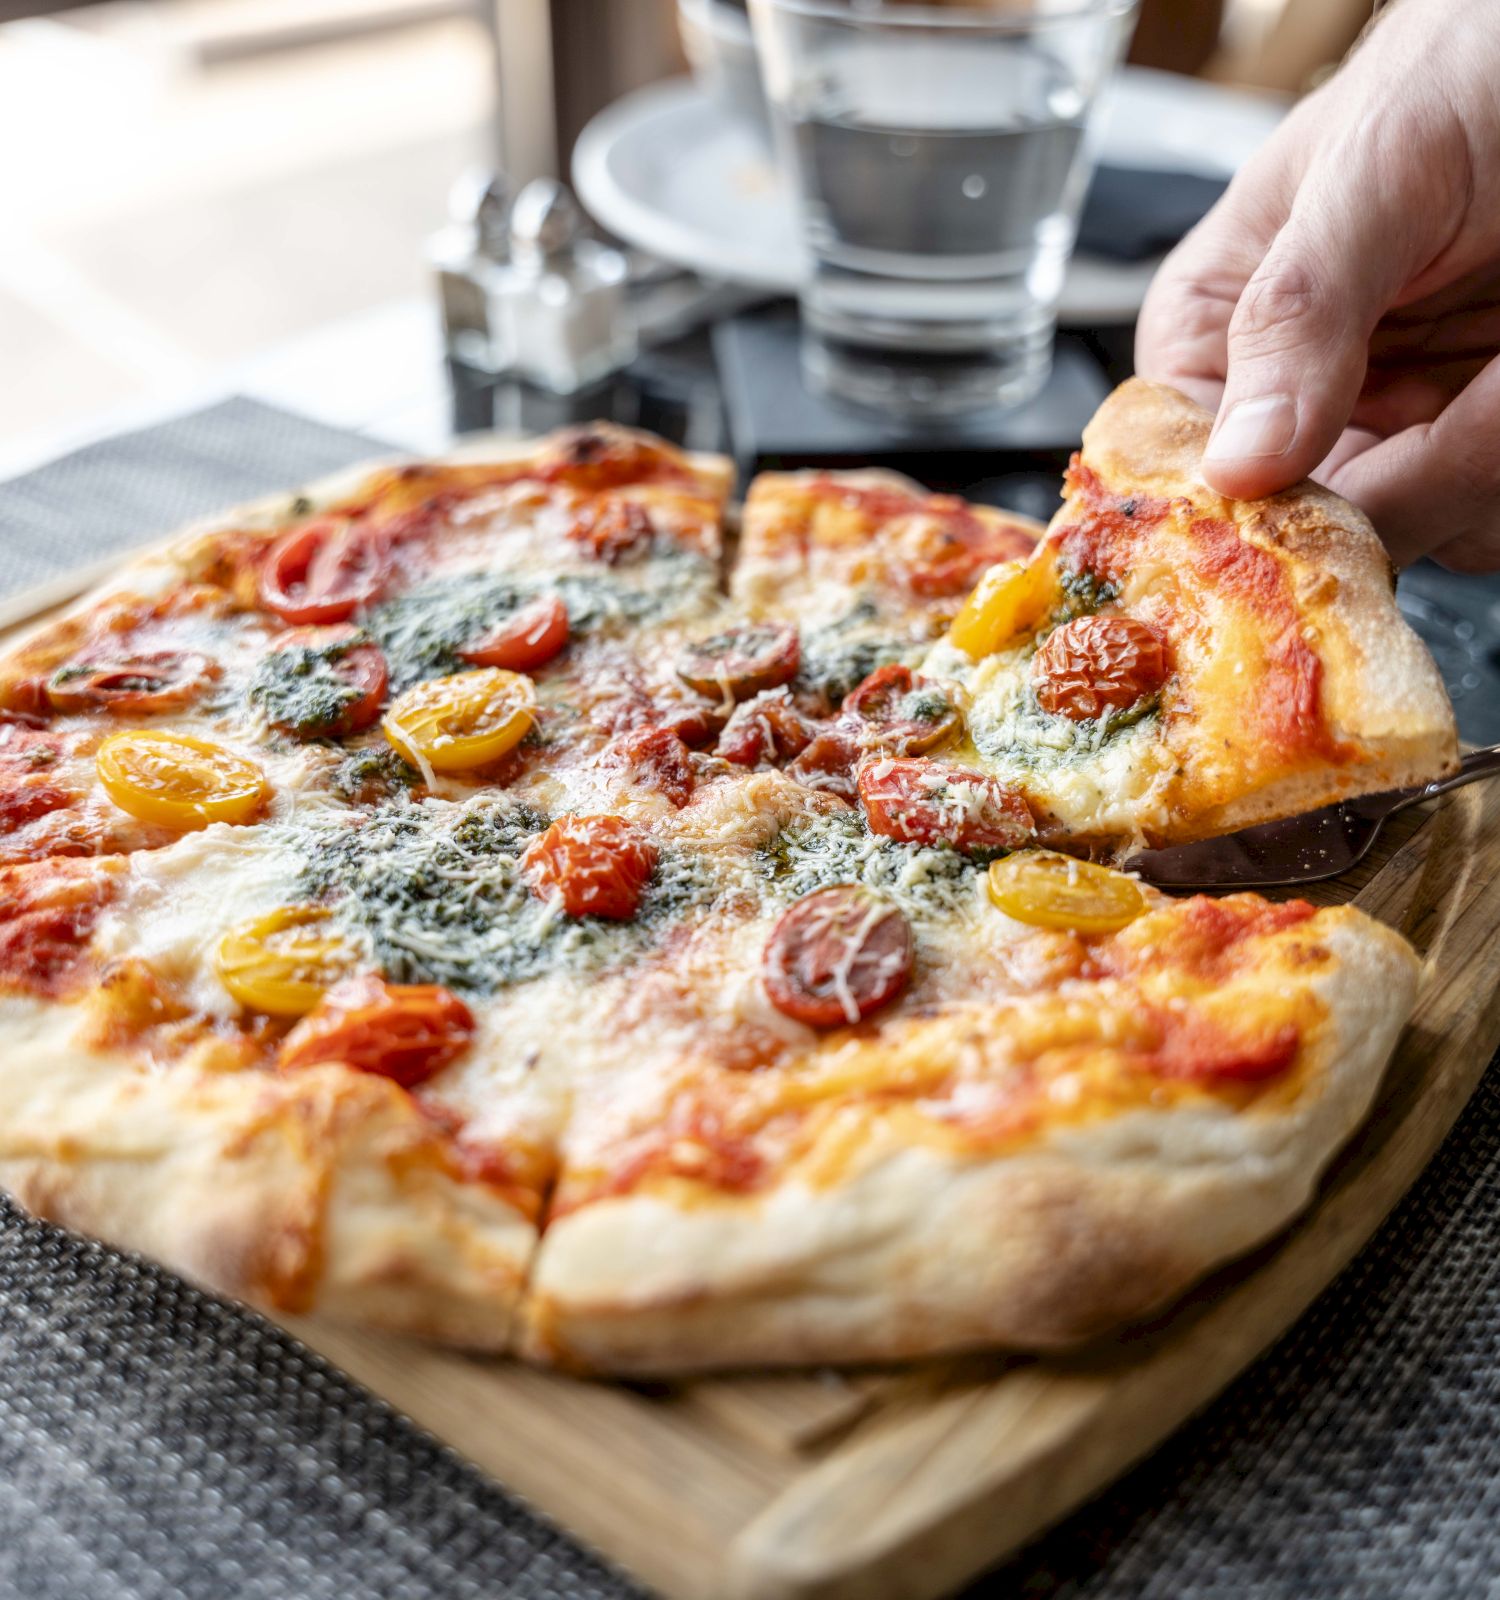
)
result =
(1252, 429)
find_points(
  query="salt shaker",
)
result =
(469, 257)
(560, 302)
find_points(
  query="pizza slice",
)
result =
(905, 1104)
(1170, 664)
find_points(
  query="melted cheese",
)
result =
(1092, 779)
(177, 903)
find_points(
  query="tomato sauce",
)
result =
(1202, 937)
(1103, 542)
(47, 914)
(693, 1143)
(1288, 704)
(1194, 1048)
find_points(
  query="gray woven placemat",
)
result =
(159, 1444)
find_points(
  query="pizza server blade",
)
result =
(1306, 849)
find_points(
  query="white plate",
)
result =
(670, 171)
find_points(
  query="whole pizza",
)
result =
(480, 898)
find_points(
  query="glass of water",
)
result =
(940, 155)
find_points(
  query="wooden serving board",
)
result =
(906, 1482)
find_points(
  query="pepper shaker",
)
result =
(468, 257)
(560, 301)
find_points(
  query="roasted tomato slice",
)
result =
(896, 711)
(322, 682)
(178, 780)
(658, 759)
(1095, 665)
(466, 720)
(599, 865)
(930, 802)
(131, 684)
(324, 571)
(836, 956)
(613, 531)
(528, 638)
(948, 544)
(1048, 890)
(767, 728)
(284, 962)
(829, 763)
(742, 661)
(406, 1032)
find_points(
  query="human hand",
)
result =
(1340, 307)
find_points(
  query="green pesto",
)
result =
(299, 687)
(437, 891)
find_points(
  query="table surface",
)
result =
(157, 1442)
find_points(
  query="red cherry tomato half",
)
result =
(528, 638)
(918, 801)
(361, 666)
(131, 685)
(323, 571)
(949, 544)
(657, 759)
(829, 763)
(406, 1032)
(599, 865)
(836, 956)
(767, 728)
(1094, 665)
(742, 661)
(902, 713)
(613, 531)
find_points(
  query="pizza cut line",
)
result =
(444, 901)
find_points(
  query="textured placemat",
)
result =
(159, 1444)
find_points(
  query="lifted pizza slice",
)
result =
(1170, 664)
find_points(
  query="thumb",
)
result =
(1298, 341)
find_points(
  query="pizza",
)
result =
(470, 898)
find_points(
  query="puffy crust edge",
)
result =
(924, 1253)
(326, 1191)
(1381, 687)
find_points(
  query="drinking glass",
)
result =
(940, 155)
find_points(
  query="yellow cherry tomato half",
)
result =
(454, 723)
(178, 780)
(1047, 890)
(1009, 600)
(284, 962)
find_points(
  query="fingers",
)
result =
(1435, 489)
(1299, 336)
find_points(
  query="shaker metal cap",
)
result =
(545, 219)
(480, 200)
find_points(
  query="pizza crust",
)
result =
(922, 1252)
(322, 1191)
